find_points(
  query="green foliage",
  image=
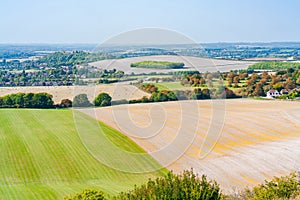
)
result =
(274, 65)
(150, 88)
(87, 195)
(81, 100)
(195, 80)
(27, 100)
(184, 186)
(200, 94)
(292, 95)
(158, 65)
(278, 188)
(54, 162)
(65, 103)
(58, 59)
(103, 99)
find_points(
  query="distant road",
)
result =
(191, 63)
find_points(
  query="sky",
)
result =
(95, 21)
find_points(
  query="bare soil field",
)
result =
(117, 91)
(191, 63)
(239, 143)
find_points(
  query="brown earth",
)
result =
(239, 143)
(117, 91)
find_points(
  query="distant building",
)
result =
(272, 93)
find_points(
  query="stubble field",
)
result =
(117, 91)
(239, 143)
(191, 63)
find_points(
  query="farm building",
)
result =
(272, 93)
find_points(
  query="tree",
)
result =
(236, 81)
(171, 96)
(277, 86)
(227, 93)
(278, 188)
(103, 99)
(258, 91)
(298, 80)
(65, 103)
(289, 84)
(1, 102)
(205, 93)
(42, 100)
(18, 100)
(197, 94)
(81, 100)
(7, 101)
(28, 98)
(159, 97)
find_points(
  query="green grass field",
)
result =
(42, 156)
(172, 86)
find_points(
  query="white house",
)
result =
(272, 93)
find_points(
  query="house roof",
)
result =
(272, 91)
(285, 90)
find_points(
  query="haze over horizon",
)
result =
(93, 22)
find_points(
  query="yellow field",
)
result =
(239, 143)
(117, 91)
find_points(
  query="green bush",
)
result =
(278, 188)
(87, 195)
(184, 186)
(103, 99)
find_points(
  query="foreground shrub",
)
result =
(87, 195)
(278, 188)
(184, 186)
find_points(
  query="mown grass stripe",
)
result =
(42, 157)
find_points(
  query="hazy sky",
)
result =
(94, 21)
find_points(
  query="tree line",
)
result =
(257, 84)
(27, 100)
(44, 100)
(190, 186)
(176, 95)
(158, 65)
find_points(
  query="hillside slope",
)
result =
(43, 157)
(238, 143)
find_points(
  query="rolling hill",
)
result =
(239, 143)
(42, 156)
